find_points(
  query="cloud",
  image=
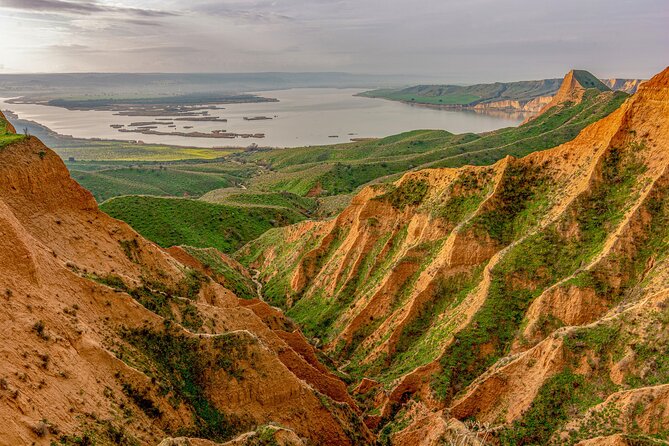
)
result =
(259, 12)
(457, 40)
(79, 7)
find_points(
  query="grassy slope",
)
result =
(149, 181)
(241, 197)
(171, 221)
(5, 136)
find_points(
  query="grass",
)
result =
(172, 221)
(7, 137)
(183, 366)
(129, 151)
(111, 183)
(521, 198)
(230, 277)
(540, 260)
(287, 200)
(410, 193)
(550, 409)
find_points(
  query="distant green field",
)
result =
(237, 197)
(106, 184)
(125, 151)
(174, 221)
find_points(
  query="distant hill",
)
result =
(587, 80)
(526, 96)
(469, 96)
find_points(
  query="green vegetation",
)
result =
(7, 137)
(111, 179)
(172, 303)
(182, 364)
(98, 433)
(124, 151)
(587, 80)
(224, 272)
(555, 403)
(538, 261)
(252, 198)
(410, 193)
(138, 181)
(521, 198)
(420, 341)
(173, 221)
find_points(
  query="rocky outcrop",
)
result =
(629, 86)
(533, 105)
(572, 89)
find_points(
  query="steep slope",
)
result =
(519, 295)
(108, 339)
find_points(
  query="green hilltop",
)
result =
(588, 80)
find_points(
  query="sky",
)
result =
(453, 40)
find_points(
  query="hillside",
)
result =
(110, 340)
(176, 221)
(519, 303)
(573, 89)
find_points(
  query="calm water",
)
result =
(305, 116)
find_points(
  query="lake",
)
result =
(302, 117)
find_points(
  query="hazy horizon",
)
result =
(454, 41)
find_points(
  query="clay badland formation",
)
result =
(520, 303)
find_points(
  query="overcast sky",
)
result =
(454, 40)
